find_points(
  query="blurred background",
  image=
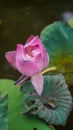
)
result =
(21, 18)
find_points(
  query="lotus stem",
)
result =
(48, 70)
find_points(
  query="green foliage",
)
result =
(17, 120)
(58, 40)
(54, 90)
(4, 123)
(70, 22)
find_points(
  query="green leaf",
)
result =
(55, 103)
(70, 22)
(4, 123)
(58, 40)
(17, 120)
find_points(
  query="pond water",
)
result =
(21, 18)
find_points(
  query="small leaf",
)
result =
(58, 40)
(4, 123)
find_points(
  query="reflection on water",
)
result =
(21, 19)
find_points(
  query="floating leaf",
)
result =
(4, 123)
(17, 120)
(58, 40)
(55, 103)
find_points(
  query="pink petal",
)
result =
(38, 81)
(29, 68)
(42, 49)
(33, 41)
(11, 58)
(29, 39)
(20, 50)
(46, 59)
(25, 66)
(36, 43)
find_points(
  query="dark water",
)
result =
(21, 18)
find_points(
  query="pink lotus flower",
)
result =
(29, 59)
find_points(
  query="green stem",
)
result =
(48, 70)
